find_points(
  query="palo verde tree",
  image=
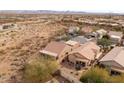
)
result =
(95, 75)
(40, 70)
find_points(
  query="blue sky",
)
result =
(64, 5)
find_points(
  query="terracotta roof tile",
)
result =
(54, 48)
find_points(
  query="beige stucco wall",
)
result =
(115, 40)
(72, 58)
(63, 54)
(112, 64)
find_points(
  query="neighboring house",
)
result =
(101, 33)
(57, 50)
(97, 34)
(80, 39)
(73, 30)
(84, 55)
(115, 36)
(114, 60)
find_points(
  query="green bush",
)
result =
(100, 75)
(95, 75)
(104, 42)
(40, 70)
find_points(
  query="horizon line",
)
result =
(76, 11)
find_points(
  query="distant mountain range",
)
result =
(39, 12)
(48, 12)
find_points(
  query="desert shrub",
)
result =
(36, 72)
(100, 75)
(117, 79)
(40, 70)
(95, 75)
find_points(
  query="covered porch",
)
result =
(78, 64)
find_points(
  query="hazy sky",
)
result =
(60, 5)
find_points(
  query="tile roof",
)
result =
(88, 50)
(54, 48)
(116, 54)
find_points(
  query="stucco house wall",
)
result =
(64, 53)
(76, 57)
(112, 64)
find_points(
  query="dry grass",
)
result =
(17, 46)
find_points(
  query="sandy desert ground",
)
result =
(18, 45)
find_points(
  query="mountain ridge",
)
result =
(51, 12)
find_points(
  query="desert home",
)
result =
(115, 37)
(73, 29)
(97, 34)
(72, 52)
(84, 55)
(57, 50)
(101, 33)
(114, 60)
